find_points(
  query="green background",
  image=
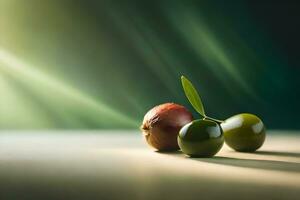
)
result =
(103, 64)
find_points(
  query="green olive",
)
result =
(201, 138)
(244, 132)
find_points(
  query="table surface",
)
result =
(119, 165)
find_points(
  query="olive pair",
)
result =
(205, 137)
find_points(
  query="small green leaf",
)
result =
(192, 95)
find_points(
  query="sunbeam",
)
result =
(208, 48)
(20, 69)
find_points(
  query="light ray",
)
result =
(203, 41)
(142, 37)
(16, 66)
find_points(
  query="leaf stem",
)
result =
(213, 119)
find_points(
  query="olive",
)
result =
(244, 132)
(201, 138)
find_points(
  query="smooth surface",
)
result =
(119, 165)
(244, 132)
(201, 138)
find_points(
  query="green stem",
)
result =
(213, 119)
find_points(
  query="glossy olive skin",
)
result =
(201, 138)
(244, 132)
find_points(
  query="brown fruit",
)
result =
(162, 123)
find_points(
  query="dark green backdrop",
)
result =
(103, 64)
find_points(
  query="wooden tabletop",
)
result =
(119, 165)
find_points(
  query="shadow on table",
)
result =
(278, 153)
(169, 152)
(253, 163)
(249, 163)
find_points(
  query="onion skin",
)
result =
(162, 123)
